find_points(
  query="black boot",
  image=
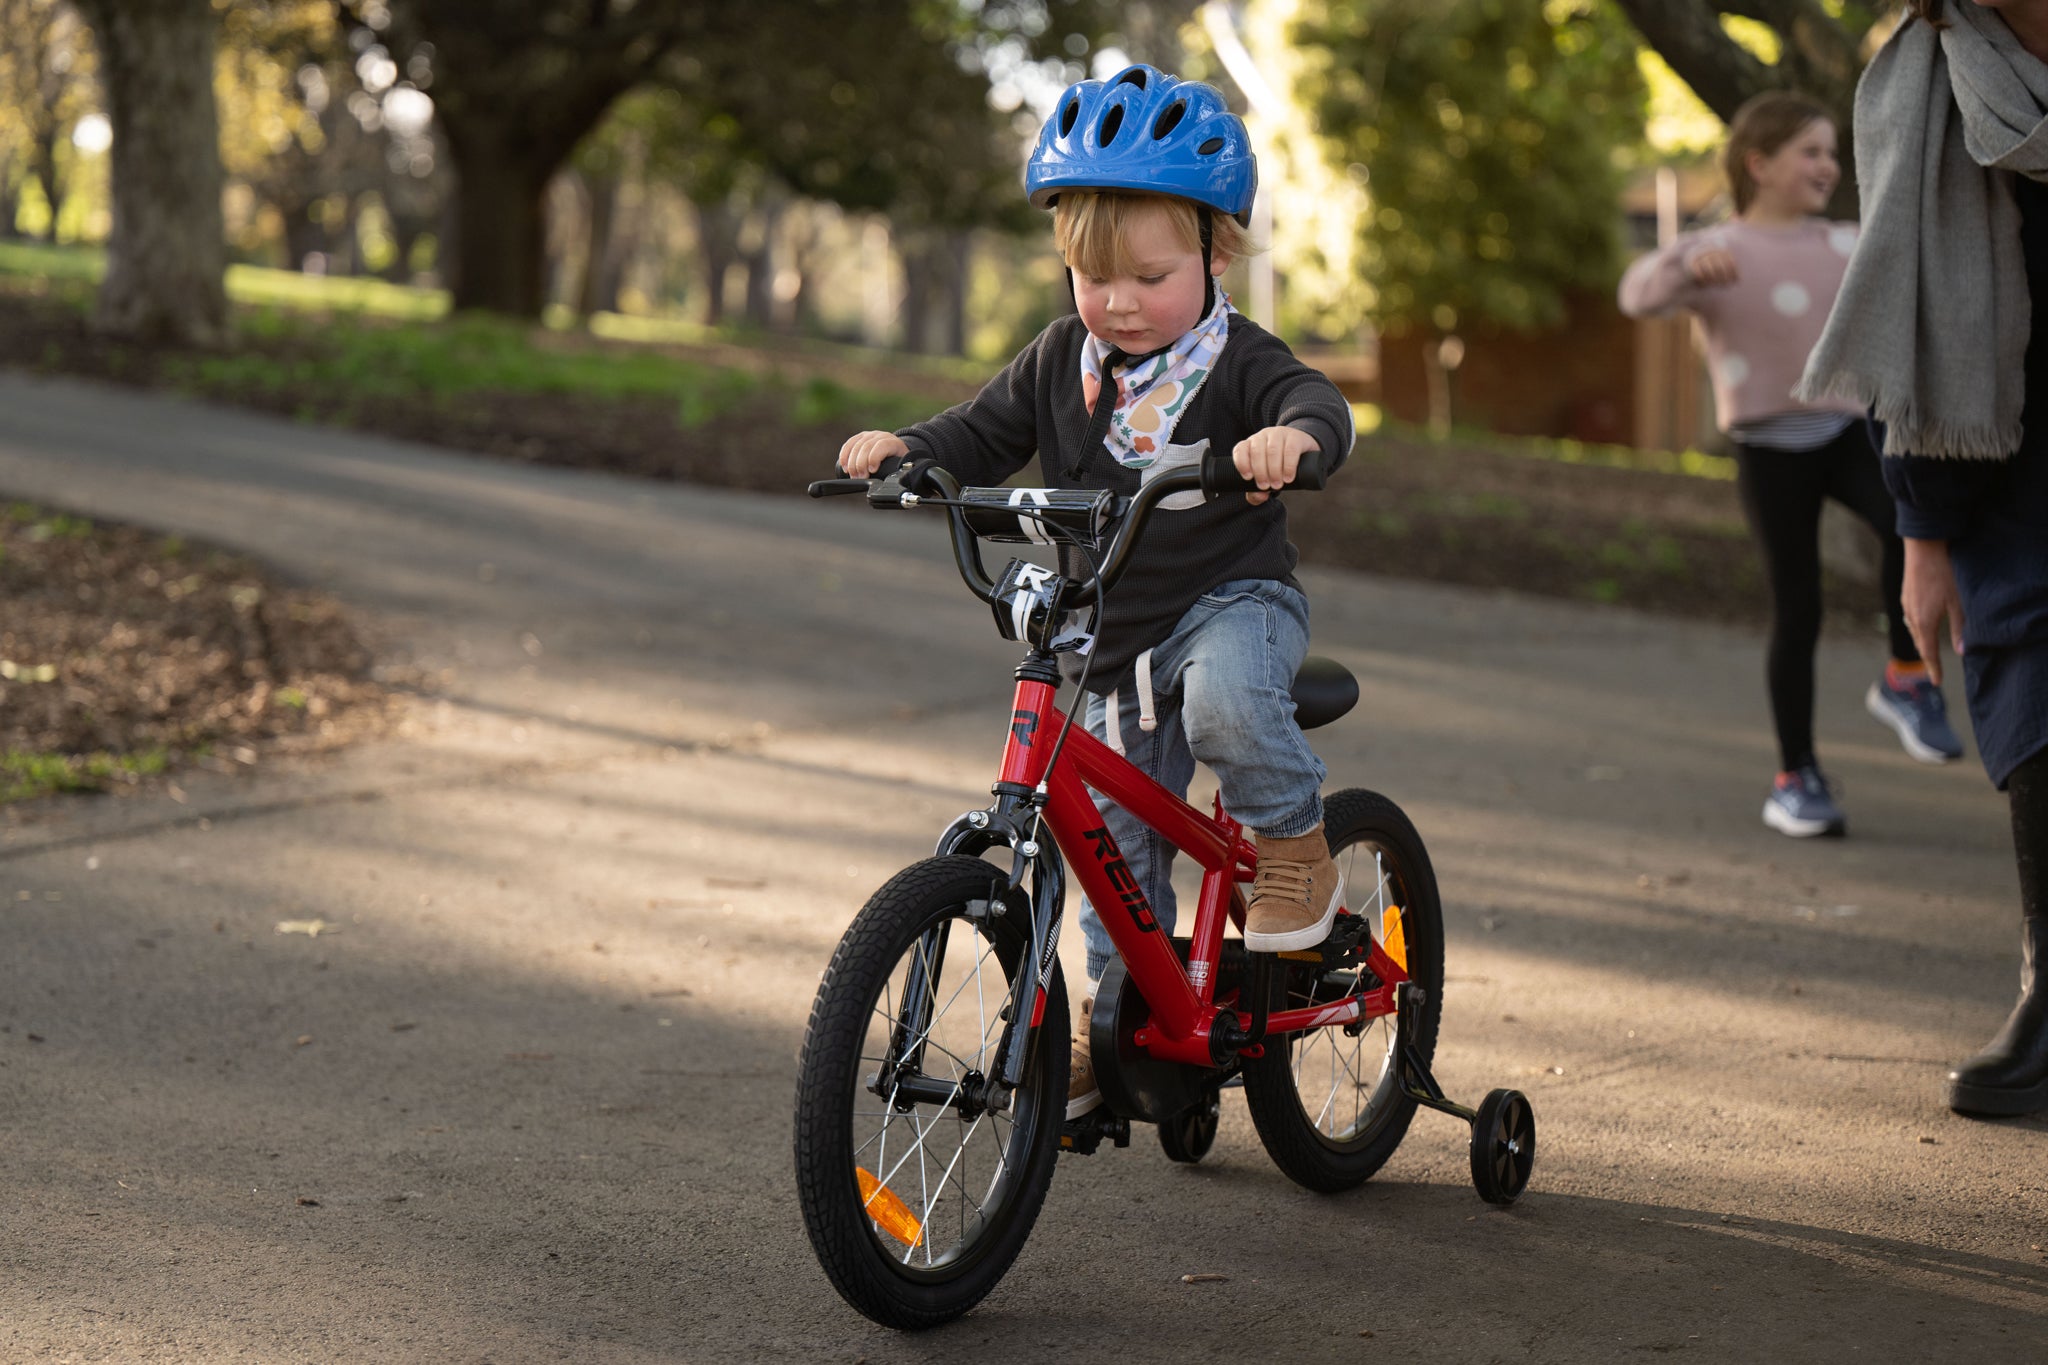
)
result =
(2011, 1075)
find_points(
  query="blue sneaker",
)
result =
(1803, 805)
(1920, 716)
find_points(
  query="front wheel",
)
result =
(1329, 1103)
(918, 1180)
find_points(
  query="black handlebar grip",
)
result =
(1219, 475)
(832, 488)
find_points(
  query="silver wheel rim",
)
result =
(1347, 1085)
(949, 1173)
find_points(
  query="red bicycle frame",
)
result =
(1182, 1001)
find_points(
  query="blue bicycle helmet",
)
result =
(1146, 131)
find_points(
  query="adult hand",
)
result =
(1713, 266)
(1269, 458)
(1929, 595)
(864, 452)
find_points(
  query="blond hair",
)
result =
(1092, 228)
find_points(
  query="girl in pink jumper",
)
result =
(1761, 285)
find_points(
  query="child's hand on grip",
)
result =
(864, 452)
(1269, 458)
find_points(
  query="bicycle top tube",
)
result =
(1215, 475)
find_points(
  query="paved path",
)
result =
(529, 1099)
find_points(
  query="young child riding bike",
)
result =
(1151, 179)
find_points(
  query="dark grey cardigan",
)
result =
(1034, 407)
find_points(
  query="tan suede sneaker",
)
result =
(1295, 895)
(1082, 1092)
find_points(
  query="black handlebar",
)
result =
(1215, 476)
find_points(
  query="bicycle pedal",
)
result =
(1082, 1136)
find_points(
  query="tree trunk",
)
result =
(10, 200)
(760, 263)
(717, 249)
(599, 290)
(166, 257)
(960, 261)
(302, 236)
(43, 165)
(919, 262)
(500, 228)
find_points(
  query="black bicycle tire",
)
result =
(1290, 1138)
(886, 926)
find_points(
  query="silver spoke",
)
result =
(949, 1171)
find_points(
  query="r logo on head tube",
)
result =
(1024, 724)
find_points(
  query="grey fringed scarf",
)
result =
(1931, 327)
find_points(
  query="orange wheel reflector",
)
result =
(890, 1214)
(1393, 938)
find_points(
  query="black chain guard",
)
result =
(1135, 1084)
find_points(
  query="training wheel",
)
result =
(1503, 1146)
(1188, 1135)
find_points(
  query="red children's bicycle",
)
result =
(932, 1089)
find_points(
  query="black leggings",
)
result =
(1782, 492)
(2028, 788)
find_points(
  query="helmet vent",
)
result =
(1112, 123)
(1135, 76)
(1068, 115)
(1211, 147)
(1169, 120)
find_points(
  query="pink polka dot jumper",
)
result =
(1760, 328)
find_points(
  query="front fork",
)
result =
(1013, 823)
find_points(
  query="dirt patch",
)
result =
(124, 654)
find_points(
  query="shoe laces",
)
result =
(1284, 879)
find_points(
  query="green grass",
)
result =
(251, 285)
(1697, 464)
(27, 775)
(367, 358)
(362, 340)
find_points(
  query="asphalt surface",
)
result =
(527, 1095)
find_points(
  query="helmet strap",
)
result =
(1208, 229)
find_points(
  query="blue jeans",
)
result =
(1222, 685)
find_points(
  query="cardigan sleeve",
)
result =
(1281, 390)
(1938, 499)
(1659, 283)
(993, 434)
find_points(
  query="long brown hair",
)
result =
(1764, 124)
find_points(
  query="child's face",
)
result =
(1801, 175)
(1152, 306)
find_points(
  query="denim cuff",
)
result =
(1302, 822)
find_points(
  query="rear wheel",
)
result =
(1187, 1136)
(919, 1182)
(1328, 1104)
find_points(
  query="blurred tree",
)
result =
(1729, 50)
(892, 115)
(519, 83)
(165, 257)
(1491, 136)
(46, 85)
(303, 129)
